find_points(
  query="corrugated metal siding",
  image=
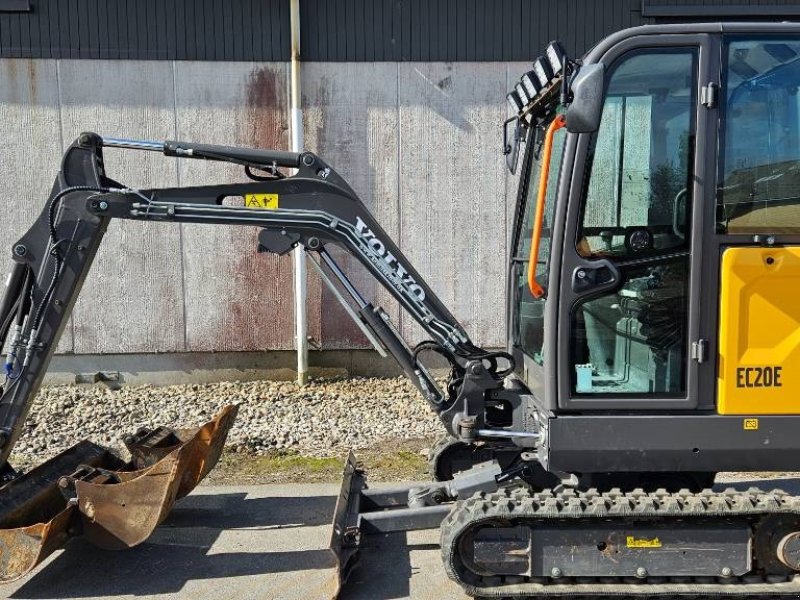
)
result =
(340, 30)
(456, 30)
(666, 9)
(240, 30)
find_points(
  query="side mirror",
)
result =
(583, 115)
(511, 142)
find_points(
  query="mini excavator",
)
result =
(653, 333)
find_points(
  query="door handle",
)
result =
(600, 274)
(536, 288)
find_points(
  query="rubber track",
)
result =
(439, 446)
(520, 503)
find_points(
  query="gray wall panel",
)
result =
(351, 120)
(235, 299)
(30, 146)
(133, 299)
(420, 143)
(452, 189)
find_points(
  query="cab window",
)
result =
(759, 166)
(639, 182)
(528, 334)
(635, 214)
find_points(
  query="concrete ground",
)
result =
(260, 542)
(232, 542)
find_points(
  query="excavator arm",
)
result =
(312, 208)
(91, 490)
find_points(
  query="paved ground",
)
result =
(262, 542)
(224, 543)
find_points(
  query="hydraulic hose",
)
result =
(11, 299)
(55, 252)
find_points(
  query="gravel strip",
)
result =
(321, 419)
(324, 418)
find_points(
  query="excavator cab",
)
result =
(650, 285)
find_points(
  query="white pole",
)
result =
(296, 120)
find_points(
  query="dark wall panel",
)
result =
(493, 30)
(241, 30)
(340, 30)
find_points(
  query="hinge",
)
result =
(708, 95)
(700, 351)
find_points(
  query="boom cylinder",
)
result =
(10, 298)
(133, 144)
(378, 321)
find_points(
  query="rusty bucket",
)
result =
(115, 504)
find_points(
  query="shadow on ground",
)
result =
(179, 550)
(393, 551)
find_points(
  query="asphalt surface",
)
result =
(231, 542)
(259, 542)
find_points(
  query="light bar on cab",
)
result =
(531, 83)
(543, 71)
(557, 57)
(540, 80)
(523, 94)
(515, 102)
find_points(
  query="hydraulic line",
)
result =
(6, 324)
(22, 309)
(25, 301)
(56, 253)
(10, 301)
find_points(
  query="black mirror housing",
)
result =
(583, 115)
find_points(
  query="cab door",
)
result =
(628, 321)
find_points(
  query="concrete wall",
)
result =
(420, 142)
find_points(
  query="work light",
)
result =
(557, 57)
(531, 84)
(515, 102)
(523, 94)
(543, 71)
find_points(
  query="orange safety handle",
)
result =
(537, 291)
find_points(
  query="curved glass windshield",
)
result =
(759, 168)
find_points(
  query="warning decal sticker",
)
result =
(261, 201)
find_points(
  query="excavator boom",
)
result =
(90, 490)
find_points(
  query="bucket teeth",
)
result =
(88, 490)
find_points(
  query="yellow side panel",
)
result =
(759, 337)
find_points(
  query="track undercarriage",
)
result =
(514, 543)
(518, 541)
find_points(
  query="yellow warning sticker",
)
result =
(751, 424)
(634, 542)
(261, 201)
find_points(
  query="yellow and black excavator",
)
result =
(653, 333)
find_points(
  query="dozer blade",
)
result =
(346, 535)
(88, 490)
